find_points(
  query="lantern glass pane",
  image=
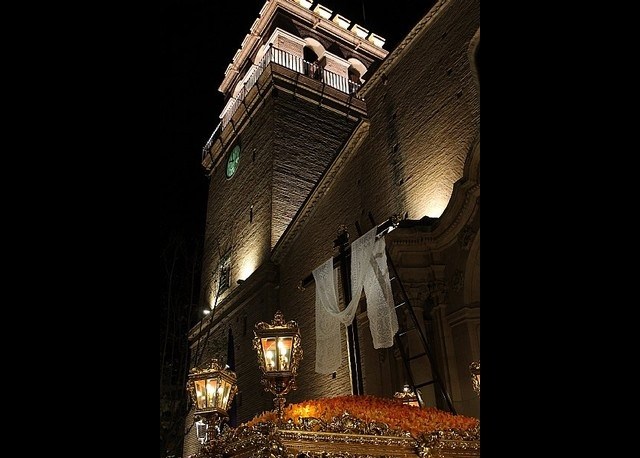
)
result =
(219, 392)
(212, 387)
(201, 400)
(225, 396)
(284, 353)
(269, 353)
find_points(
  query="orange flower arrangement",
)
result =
(398, 416)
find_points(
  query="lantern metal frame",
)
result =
(215, 412)
(279, 369)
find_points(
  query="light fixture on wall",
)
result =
(474, 368)
(279, 350)
(212, 390)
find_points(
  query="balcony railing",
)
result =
(292, 62)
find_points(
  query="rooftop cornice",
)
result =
(252, 40)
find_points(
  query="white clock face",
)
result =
(232, 161)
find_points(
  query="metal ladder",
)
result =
(410, 326)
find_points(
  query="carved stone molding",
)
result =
(466, 237)
(457, 281)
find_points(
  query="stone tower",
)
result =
(298, 154)
(292, 102)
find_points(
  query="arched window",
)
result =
(313, 55)
(356, 71)
(354, 75)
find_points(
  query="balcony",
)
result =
(322, 78)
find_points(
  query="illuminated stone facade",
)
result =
(321, 152)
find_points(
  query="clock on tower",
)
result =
(232, 161)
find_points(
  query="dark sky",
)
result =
(199, 39)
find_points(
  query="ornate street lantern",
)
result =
(212, 390)
(474, 367)
(279, 350)
(407, 396)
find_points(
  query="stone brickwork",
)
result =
(425, 114)
(306, 138)
(420, 134)
(239, 209)
(424, 118)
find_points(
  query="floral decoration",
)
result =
(395, 414)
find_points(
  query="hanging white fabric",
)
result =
(383, 321)
(369, 271)
(328, 354)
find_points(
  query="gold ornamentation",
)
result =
(215, 368)
(278, 346)
(474, 368)
(345, 435)
(396, 415)
(277, 322)
(345, 424)
(452, 442)
(338, 439)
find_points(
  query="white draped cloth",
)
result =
(369, 271)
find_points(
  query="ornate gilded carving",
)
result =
(345, 424)
(343, 436)
(435, 444)
(474, 368)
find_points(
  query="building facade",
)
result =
(325, 131)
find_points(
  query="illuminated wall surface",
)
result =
(416, 151)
